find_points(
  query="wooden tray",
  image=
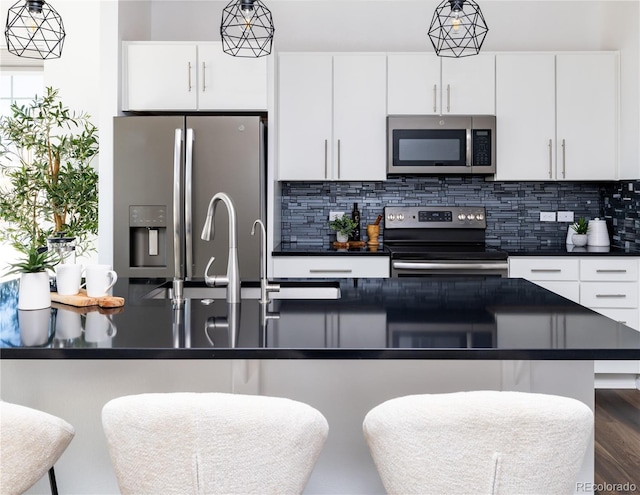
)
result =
(82, 300)
(348, 245)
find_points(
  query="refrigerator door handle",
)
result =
(188, 203)
(177, 222)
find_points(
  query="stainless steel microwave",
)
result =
(441, 145)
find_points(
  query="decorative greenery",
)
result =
(50, 185)
(343, 224)
(36, 260)
(581, 226)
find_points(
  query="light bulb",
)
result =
(455, 22)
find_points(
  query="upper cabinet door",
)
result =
(587, 102)
(525, 123)
(160, 76)
(359, 117)
(230, 83)
(304, 116)
(468, 85)
(413, 84)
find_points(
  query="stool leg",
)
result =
(52, 482)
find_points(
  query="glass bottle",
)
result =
(355, 216)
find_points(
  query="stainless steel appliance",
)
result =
(440, 240)
(166, 170)
(438, 145)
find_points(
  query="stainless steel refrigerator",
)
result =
(166, 169)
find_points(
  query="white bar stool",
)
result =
(192, 443)
(479, 442)
(31, 442)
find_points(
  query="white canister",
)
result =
(598, 234)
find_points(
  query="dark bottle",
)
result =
(355, 216)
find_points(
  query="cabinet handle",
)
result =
(325, 158)
(189, 75)
(564, 161)
(546, 270)
(321, 270)
(448, 98)
(435, 96)
(550, 158)
(611, 271)
(204, 82)
(611, 296)
(338, 158)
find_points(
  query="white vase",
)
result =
(341, 237)
(34, 291)
(579, 240)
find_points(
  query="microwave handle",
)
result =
(469, 147)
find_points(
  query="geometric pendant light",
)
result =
(34, 30)
(246, 29)
(458, 28)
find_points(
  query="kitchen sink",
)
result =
(251, 290)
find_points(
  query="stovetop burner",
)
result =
(438, 233)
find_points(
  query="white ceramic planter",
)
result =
(34, 291)
(340, 237)
(579, 239)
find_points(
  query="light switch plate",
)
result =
(565, 216)
(335, 214)
(547, 216)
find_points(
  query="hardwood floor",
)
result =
(617, 442)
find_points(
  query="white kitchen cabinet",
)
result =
(608, 285)
(182, 76)
(331, 116)
(423, 84)
(559, 275)
(557, 116)
(331, 266)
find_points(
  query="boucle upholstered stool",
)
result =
(479, 442)
(31, 442)
(192, 443)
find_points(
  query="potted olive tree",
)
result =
(48, 185)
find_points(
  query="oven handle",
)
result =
(404, 265)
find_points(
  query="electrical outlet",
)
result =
(547, 216)
(565, 216)
(335, 214)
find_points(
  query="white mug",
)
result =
(68, 279)
(99, 280)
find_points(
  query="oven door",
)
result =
(438, 268)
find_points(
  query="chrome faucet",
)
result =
(232, 279)
(265, 287)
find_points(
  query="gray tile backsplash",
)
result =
(513, 208)
(621, 207)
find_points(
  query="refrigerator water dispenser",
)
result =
(148, 236)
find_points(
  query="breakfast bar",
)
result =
(339, 346)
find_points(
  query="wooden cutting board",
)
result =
(83, 300)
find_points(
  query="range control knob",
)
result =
(401, 216)
(479, 217)
(462, 217)
(471, 216)
(391, 217)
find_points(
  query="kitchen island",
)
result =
(381, 339)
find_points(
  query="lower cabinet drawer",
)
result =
(330, 267)
(544, 268)
(609, 294)
(570, 290)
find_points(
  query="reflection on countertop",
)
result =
(448, 318)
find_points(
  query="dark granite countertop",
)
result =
(449, 318)
(561, 249)
(326, 249)
(512, 249)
